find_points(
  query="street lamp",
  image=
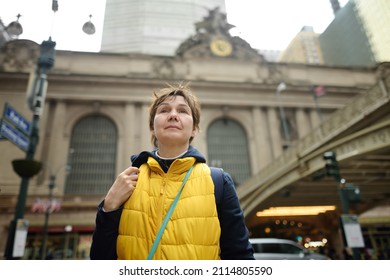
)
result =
(347, 193)
(28, 167)
(282, 86)
(23, 166)
(50, 207)
(14, 29)
(68, 229)
(89, 27)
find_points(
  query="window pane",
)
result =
(93, 141)
(291, 249)
(228, 148)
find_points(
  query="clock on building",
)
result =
(221, 47)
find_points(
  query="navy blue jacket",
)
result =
(234, 242)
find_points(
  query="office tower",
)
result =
(304, 48)
(154, 26)
(359, 35)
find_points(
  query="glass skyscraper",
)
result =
(154, 27)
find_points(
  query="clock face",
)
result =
(221, 47)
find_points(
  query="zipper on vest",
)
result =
(162, 187)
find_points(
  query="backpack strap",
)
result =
(217, 176)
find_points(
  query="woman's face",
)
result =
(173, 123)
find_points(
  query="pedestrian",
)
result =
(135, 221)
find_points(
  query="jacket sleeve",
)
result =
(234, 241)
(104, 237)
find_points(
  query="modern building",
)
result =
(95, 116)
(358, 35)
(152, 27)
(304, 48)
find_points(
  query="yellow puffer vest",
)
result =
(193, 231)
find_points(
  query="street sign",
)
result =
(17, 119)
(352, 231)
(15, 128)
(14, 135)
(20, 238)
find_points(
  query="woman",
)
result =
(132, 213)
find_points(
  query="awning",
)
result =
(377, 215)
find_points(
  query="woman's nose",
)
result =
(173, 114)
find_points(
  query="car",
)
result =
(282, 249)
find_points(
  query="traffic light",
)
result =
(331, 165)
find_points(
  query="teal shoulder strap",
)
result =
(168, 216)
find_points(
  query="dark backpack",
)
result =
(217, 176)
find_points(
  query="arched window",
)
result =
(93, 156)
(228, 148)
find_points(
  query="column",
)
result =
(274, 125)
(314, 118)
(127, 142)
(262, 143)
(58, 150)
(303, 122)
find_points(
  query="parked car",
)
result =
(282, 249)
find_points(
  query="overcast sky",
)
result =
(265, 24)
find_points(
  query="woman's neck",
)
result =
(170, 154)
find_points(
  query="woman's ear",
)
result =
(194, 130)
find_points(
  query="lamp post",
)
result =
(282, 86)
(48, 210)
(50, 207)
(332, 169)
(68, 229)
(27, 168)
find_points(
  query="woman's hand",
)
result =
(122, 189)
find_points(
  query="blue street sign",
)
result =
(1, 136)
(13, 117)
(14, 135)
